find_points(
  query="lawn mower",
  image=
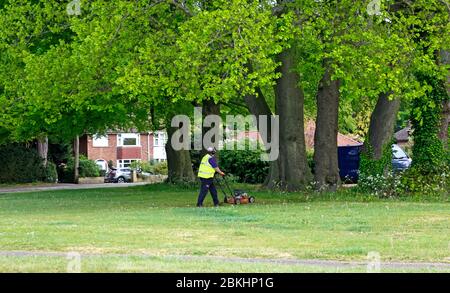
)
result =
(235, 196)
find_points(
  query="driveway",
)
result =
(65, 186)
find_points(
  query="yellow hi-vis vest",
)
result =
(205, 170)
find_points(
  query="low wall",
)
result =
(91, 180)
(152, 178)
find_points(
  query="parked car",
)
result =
(120, 175)
(400, 160)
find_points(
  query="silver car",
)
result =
(400, 160)
(120, 175)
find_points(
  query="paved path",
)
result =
(65, 186)
(304, 262)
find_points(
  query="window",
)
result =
(128, 139)
(100, 140)
(126, 163)
(159, 138)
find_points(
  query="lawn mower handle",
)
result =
(226, 183)
(222, 188)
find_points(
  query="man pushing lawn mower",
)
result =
(206, 172)
(208, 167)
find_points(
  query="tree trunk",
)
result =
(382, 122)
(290, 171)
(258, 106)
(210, 108)
(445, 119)
(326, 171)
(42, 147)
(76, 150)
(178, 162)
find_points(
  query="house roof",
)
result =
(310, 128)
(403, 134)
(342, 140)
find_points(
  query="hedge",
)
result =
(19, 164)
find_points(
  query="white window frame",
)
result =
(121, 163)
(159, 139)
(100, 141)
(122, 136)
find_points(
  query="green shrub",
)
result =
(368, 166)
(59, 151)
(381, 185)
(20, 164)
(160, 168)
(414, 181)
(246, 165)
(50, 173)
(157, 168)
(243, 166)
(310, 159)
(375, 175)
(65, 172)
(143, 166)
(87, 168)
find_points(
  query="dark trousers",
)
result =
(207, 184)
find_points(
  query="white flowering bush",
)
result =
(408, 182)
(387, 185)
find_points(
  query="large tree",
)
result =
(349, 46)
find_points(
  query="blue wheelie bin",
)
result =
(348, 161)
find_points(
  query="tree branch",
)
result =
(182, 6)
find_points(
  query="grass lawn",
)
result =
(157, 228)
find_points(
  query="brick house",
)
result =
(124, 148)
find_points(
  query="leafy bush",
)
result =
(87, 168)
(20, 164)
(368, 166)
(409, 182)
(158, 168)
(65, 172)
(143, 166)
(310, 159)
(243, 166)
(414, 181)
(381, 185)
(50, 173)
(246, 165)
(375, 175)
(59, 151)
